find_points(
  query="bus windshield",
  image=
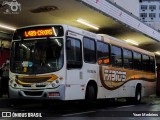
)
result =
(37, 56)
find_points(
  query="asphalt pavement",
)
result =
(104, 109)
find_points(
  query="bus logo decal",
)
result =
(112, 78)
(112, 75)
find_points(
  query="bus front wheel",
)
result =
(90, 93)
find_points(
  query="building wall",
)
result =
(130, 5)
(150, 12)
(153, 24)
(149, 8)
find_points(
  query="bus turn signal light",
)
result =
(103, 61)
(100, 62)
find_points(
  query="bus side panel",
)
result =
(118, 82)
(77, 81)
(101, 91)
(74, 85)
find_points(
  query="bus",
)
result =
(61, 62)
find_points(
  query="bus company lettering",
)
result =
(112, 75)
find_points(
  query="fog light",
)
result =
(53, 94)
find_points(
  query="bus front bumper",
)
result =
(56, 93)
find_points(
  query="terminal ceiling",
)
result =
(67, 12)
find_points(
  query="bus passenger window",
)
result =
(116, 56)
(152, 64)
(128, 58)
(74, 53)
(145, 63)
(89, 50)
(137, 61)
(103, 51)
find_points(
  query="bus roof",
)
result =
(99, 37)
(123, 44)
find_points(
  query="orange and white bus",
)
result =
(61, 62)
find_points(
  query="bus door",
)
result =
(74, 73)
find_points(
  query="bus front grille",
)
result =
(34, 80)
(36, 85)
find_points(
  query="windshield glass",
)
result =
(37, 56)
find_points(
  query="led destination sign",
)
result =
(38, 33)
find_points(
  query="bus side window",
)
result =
(137, 61)
(103, 53)
(116, 56)
(128, 58)
(145, 63)
(152, 64)
(74, 53)
(89, 50)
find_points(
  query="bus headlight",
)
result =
(53, 85)
(13, 84)
(11, 81)
(57, 81)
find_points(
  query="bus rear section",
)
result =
(125, 71)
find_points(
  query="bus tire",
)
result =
(90, 93)
(137, 98)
